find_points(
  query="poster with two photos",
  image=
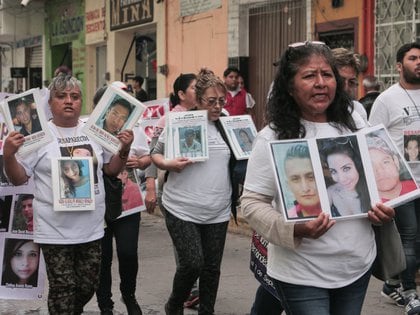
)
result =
(342, 176)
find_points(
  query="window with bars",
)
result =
(397, 23)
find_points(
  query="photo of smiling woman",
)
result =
(345, 177)
(75, 179)
(20, 262)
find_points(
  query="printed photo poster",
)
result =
(411, 150)
(345, 176)
(23, 268)
(23, 214)
(241, 133)
(16, 237)
(186, 135)
(153, 117)
(394, 179)
(132, 199)
(117, 110)
(74, 188)
(299, 180)
(24, 113)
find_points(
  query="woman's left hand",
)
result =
(126, 137)
(381, 213)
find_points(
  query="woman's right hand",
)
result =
(12, 143)
(177, 165)
(314, 228)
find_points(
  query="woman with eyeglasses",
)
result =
(348, 191)
(321, 266)
(198, 199)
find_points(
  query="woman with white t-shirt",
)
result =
(197, 200)
(70, 240)
(318, 267)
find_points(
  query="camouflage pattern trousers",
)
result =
(73, 275)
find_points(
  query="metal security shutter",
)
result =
(35, 57)
(272, 27)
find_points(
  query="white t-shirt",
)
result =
(336, 259)
(400, 115)
(139, 147)
(201, 192)
(64, 227)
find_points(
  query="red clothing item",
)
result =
(131, 197)
(407, 186)
(236, 105)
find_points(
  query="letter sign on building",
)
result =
(126, 13)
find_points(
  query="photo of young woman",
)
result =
(20, 262)
(345, 177)
(75, 179)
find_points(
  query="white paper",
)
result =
(186, 135)
(95, 128)
(73, 188)
(241, 132)
(16, 115)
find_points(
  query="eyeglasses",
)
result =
(306, 43)
(213, 101)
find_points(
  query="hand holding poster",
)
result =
(23, 113)
(117, 110)
(342, 176)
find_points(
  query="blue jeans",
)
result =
(265, 303)
(126, 232)
(406, 218)
(306, 300)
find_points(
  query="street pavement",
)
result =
(157, 266)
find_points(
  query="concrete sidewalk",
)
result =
(237, 284)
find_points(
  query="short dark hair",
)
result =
(181, 83)
(406, 48)
(122, 102)
(229, 70)
(139, 79)
(98, 94)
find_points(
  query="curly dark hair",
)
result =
(283, 114)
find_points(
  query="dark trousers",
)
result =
(407, 218)
(265, 303)
(200, 250)
(126, 233)
(73, 272)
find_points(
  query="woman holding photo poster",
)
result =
(348, 193)
(321, 266)
(197, 212)
(70, 240)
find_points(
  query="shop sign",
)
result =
(18, 72)
(125, 13)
